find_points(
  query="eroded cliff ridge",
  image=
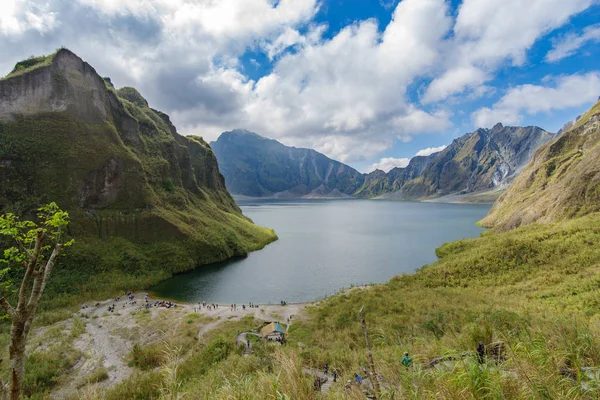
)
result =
(256, 166)
(485, 160)
(561, 181)
(118, 166)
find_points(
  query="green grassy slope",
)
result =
(534, 288)
(561, 181)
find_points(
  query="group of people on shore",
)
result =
(165, 304)
(208, 306)
(168, 304)
(234, 307)
(131, 300)
(214, 306)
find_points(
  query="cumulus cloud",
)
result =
(18, 16)
(489, 33)
(350, 87)
(569, 44)
(430, 150)
(562, 93)
(387, 164)
(345, 95)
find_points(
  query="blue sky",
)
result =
(368, 82)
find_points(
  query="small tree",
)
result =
(36, 248)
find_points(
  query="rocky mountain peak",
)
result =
(61, 82)
(117, 166)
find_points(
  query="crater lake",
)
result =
(325, 246)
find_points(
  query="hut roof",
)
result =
(273, 327)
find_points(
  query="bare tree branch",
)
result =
(39, 241)
(39, 283)
(25, 284)
(7, 307)
(50, 265)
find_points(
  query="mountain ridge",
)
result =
(481, 161)
(264, 167)
(561, 181)
(128, 179)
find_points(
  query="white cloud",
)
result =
(233, 18)
(225, 19)
(18, 16)
(453, 81)
(387, 164)
(353, 87)
(344, 95)
(290, 38)
(430, 150)
(569, 44)
(567, 91)
(489, 33)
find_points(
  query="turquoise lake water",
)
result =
(327, 245)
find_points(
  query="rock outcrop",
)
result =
(561, 181)
(258, 167)
(481, 161)
(119, 167)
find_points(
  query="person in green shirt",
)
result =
(406, 360)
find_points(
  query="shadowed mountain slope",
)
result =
(484, 160)
(141, 196)
(256, 166)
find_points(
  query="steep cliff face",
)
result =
(256, 166)
(119, 167)
(561, 181)
(390, 184)
(479, 161)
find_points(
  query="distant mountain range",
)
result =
(482, 161)
(258, 167)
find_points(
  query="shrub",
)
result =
(169, 186)
(147, 357)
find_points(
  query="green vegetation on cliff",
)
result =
(145, 202)
(561, 181)
(30, 64)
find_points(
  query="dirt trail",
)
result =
(109, 336)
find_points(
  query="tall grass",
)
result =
(535, 288)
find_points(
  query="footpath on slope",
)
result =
(109, 336)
